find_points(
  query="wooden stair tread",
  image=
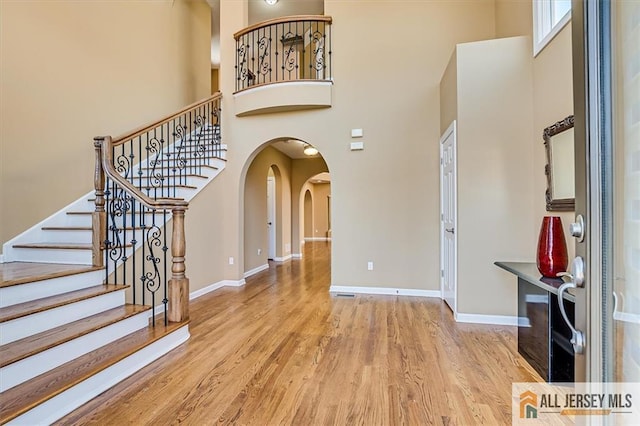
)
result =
(20, 310)
(14, 273)
(25, 396)
(34, 344)
(66, 228)
(62, 246)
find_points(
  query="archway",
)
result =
(280, 168)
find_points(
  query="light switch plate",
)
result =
(356, 133)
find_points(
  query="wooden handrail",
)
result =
(141, 130)
(283, 20)
(106, 143)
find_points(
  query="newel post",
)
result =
(99, 216)
(179, 283)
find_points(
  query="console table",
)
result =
(543, 336)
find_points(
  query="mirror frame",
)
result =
(563, 204)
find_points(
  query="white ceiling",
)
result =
(292, 148)
(260, 11)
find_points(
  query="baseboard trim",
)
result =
(234, 283)
(385, 291)
(205, 290)
(487, 319)
(254, 271)
(283, 259)
(215, 286)
(309, 239)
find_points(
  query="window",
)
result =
(549, 17)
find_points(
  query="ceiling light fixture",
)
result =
(309, 150)
(271, 2)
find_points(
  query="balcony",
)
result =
(283, 64)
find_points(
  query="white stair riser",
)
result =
(28, 368)
(20, 328)
(83, 220)
(51, 287)
(75, 257)
(64, 403)
(68, 236)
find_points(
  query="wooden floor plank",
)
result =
(23, 348)
(15, 273)
(39, 305)
(281, 350)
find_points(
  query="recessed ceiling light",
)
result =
(309, 150)
(271, 2)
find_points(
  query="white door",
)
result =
(271, 216)
(448, 217)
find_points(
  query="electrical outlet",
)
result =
(370, 266)
(230, 260)
(259, 252)
(287, 247)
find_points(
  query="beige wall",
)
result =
(395, 221)
(308, 212)
(552, 101)
(494, 170)
(321, 209)
(73, 70)
(303, 170)
(214, 81)
(514, 18)
(552, 94)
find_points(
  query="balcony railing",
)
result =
(292, 48)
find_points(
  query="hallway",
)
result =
(282, 350)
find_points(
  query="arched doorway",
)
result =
(274, 202)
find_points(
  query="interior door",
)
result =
(606, 38)
(271, 217)
(448, 217)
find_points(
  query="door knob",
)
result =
(577, 228)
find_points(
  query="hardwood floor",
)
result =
(281, 350)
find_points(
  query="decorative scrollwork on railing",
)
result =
(122, 164)
(151, 278)
(317, 41)
(264, 52)
(286, 49)
(146, 174)
(242, 70)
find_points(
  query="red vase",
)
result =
(552, 247)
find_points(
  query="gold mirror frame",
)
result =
(562, 204)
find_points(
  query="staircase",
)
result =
(78, 313)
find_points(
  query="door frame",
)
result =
(593, 144)
(451, 131)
